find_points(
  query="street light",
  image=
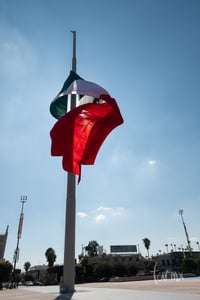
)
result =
(186, 233)
(198, 245)
(23, 200)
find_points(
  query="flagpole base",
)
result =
(68, 291)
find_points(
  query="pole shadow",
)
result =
(65, 296)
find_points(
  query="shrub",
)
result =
(189, 265)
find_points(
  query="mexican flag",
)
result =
(58, 107)
(78, 134)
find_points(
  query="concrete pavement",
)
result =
(187, 289)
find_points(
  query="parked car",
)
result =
(28, 283)
(37, 283)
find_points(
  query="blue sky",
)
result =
(146, 54)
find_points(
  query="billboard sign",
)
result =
(123, 249)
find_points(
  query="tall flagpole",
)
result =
(69, 245)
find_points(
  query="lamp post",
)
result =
(198, 245)
(23, 200)
(186, 233)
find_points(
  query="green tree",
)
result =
(50, 256)
(190, 265)
(91, 248)
(149, 265)
(27, 266)
(198, 266)
(5, 272)
(28, 277)
(16, 275)
(132, 270)
(80, 273)
(120, 269)
(103, 270)
(147, 243)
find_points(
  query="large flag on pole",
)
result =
(58, 107)
(78, 134)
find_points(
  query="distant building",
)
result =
(127, 259)
(3, 240)
(38, 273)
(174, 259)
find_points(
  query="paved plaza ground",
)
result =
(186, 289)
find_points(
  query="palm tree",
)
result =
(166, 245)
(27, 265)
(51, 256)
(147, 243)
(91, 248)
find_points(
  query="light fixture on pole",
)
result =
(186, 233)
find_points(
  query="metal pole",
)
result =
(198, 245)
(74, 51)
(69, 246)
(186, 233)
(16, 254)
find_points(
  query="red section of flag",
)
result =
(79, 134)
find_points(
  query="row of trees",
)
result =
(5, 271)
(50, 257)
(92, 247)
(87, 272)
(6, 268)
(103, 271)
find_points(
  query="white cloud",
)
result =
(119, 211)
(82, 215)
(100, 218)
(112, 211)
(104, 208)
(117, 158)
(151, 162)
(102, 213)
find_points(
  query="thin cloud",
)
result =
(151, 162)
(118, 158)
(82, 215)
(112, 211)
(118, 211)
(103, 208)
(17, 55)
(100, 218)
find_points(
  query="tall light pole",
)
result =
(186, 233)
(23, 200)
